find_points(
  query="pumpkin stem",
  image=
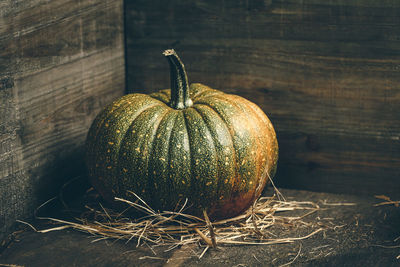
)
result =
(179, 81)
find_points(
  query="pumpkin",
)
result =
(191, 142)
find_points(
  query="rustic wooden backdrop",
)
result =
(326, 72)
(60, 62)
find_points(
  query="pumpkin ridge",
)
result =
(192, 180)
(136, 115)
(268, 164)
(271, 132)
(169, 181)
(160, 95)
(253, 107)
(102, 173)
(140, 143)
(131, 122)
(165, 93)
(227, 171)
(214, 150)
(99, 122)
(112, 109)
(235, 159)
(260, 181)
(206, 93)
(160, 151)
(217, 156)
(246, 173)
(150, 178)
(197, 89)
(180, 171)
(242, 110)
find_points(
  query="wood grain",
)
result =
(60, 62)
(326, 73)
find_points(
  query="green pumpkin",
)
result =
(191, 142)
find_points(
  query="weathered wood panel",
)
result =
(326, 72)
(60, 62)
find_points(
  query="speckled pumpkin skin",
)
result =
(217, 153)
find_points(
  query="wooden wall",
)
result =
(326, 72)
(60, 62)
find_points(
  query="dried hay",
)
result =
(268, 221)
(176, 228)
(387, 201)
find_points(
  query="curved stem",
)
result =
(179, 81)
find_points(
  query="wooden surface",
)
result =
(326, 72)
(60, 62)
(354, 235)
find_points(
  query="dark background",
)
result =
(325, 72)
(61, 61)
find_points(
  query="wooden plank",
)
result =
(327, 74)
(60, 63)
(354, 229)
